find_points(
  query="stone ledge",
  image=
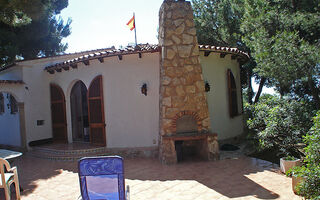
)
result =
(189, 136)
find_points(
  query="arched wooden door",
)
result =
(58, 114)
(96, 112)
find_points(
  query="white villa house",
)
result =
(144, 97)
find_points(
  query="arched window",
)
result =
(232, 91)
(1, 103)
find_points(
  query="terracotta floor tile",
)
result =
(243, 178)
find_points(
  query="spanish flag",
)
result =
(131, 24)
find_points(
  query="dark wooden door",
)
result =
(58, 114)
(96, 112)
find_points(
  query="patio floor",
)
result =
(242, 178)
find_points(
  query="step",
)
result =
(64, 157)
(69, 152)
(74, 155)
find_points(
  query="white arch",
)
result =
(13, 94)
(71, 85)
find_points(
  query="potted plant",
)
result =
(288, 162)
(298, 177)
(296, 181)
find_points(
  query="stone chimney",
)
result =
(181, 82)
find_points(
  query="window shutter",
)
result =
(1, 103)
(232, 93)
(13, 105)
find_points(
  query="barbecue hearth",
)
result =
(186, 124)
(184, 116)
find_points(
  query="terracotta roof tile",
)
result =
(60, 55)
(235, 51)
(142, 48)
(2, 68)
(11, 82)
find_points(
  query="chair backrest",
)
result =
(4, 166)
(102, 178)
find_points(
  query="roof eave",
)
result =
(100, 56)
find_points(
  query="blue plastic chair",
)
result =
(102, 178)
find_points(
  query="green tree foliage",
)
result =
(18, 12)
(284, 36)
(279, 123)
(30, 28)
(218, 23)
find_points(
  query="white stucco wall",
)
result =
(9, 126)
(132, 119)
(37, 104)
(215, 72)
(13, 73)
(17, 90)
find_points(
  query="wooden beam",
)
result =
(207, 53)
(233, 57)
(74, 65)
(222, 55)
(140, 55)
(86, 62)
(120, 57)
(101, 59)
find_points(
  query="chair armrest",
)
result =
(14, 170)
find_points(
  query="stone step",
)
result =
(64, 157)
(69, 152)
(74, 155)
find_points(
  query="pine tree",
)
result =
(284, 36)
(218, 23)
(29, 29)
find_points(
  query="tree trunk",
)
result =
(314, 91)
(294, 5)
(250, 92)
(261, 84)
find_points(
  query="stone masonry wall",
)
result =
(181, 81)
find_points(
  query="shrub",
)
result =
(310, 188)
(279, 123)
(291, 158)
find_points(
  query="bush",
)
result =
(279, 123)
(310, 188)
(291, 158)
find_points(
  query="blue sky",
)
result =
(102, 23)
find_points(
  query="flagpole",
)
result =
(135, 29)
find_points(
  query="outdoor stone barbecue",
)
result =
(184, 116)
